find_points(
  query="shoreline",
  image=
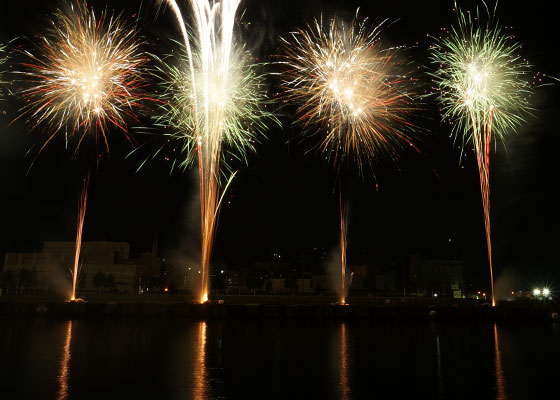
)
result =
(508, 311)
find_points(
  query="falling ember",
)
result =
(352, 92)
(81, 215)
(482, 87)
(214, 98)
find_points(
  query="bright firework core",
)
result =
(476, 93)
(345, 89)
(88, 83)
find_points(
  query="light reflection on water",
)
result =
(439, 372)
(65, 365)
(500, 378)
(201, 383)
(274, 359)
(344, 368)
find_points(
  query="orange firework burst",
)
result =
(349, 88)
(85, 75)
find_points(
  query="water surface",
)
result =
(155, 358)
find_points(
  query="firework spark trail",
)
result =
(212, 99)
(482, 87)
(2, 61)
(81, 215)
(350, 91)
(343, 243)
(4, 85)
(85, 75)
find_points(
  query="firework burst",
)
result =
(349, 89)
(85, 75)
(483, 87)
(352, 92)
(481, 78)
(239, 100)
(212, 97)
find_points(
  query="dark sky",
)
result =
(285, 201)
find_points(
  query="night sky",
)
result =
(285, 201)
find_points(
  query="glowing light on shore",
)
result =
(352, 92)
(483, 87)
(213, 97)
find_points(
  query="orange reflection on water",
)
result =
(65, 365)
(500, 379)
(343, 245)
(344, 367)
(200, 391)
